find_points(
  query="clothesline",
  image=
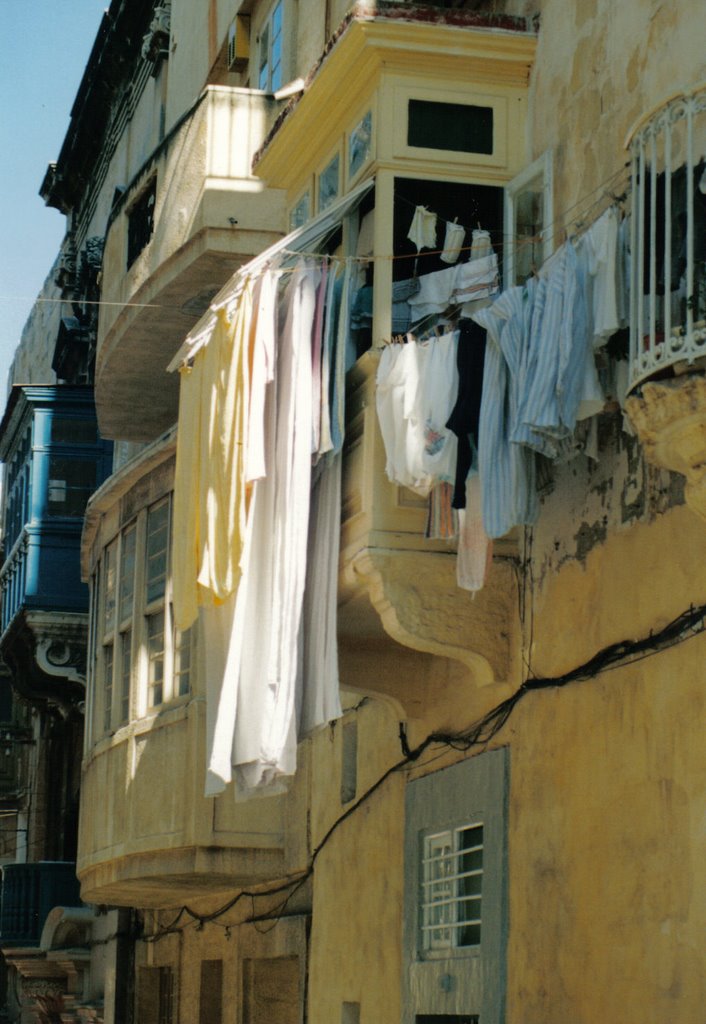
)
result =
(518, 242)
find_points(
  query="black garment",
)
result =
(465, 416)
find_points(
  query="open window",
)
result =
(528, 220)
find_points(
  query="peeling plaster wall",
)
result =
(583, 501)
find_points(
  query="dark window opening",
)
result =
(140, 224)
(71, 483)
(445, 1018)
(471, 205)
(455, 127)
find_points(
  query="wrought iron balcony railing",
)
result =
(668, 238)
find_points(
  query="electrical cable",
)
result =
(624, 653)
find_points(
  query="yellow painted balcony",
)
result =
(148, 836)
(191, 216)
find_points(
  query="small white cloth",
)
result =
(422, 230)
(453, 241)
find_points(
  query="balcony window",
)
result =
(132, 589)
(71, 483)
(270, 51)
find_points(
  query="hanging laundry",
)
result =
(444, 288)
(600, 242)
(318, 682)
(399, 415)
(465, 415)
(209, 503)
(442, 518)
(453, 242)
(475, 549)
(422, 230)
(480, 244)
(506, 469)
(558, 369)
(438, 389)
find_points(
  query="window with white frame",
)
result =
(270, 51)
(452, 878)
(455, 913)
(528, 220)
(142, 660)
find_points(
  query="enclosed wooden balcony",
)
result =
(190, 217)
(157, 841)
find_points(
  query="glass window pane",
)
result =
(127, 573)
(359, 144)
(155, 654)
(157, 551)
(125, 665)
(329, 184)
(109, 576)
(456, 127)
(183, 643)
(71, 483)
(71, 430)
(107, 686)
(529, 221)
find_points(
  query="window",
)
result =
(528, 217)
(270, 50)
(329, 183)
(452, 877)
(301, 212)
(211, 992)
(360, 143)
(142, 661)
(455, 912)
(156, 995)
(140, 221)
(455, 127)
(71, 483)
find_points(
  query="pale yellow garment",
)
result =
(209, 489)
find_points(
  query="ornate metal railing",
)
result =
(668, 237)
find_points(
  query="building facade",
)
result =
(506, 822)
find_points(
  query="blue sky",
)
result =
(45, 45)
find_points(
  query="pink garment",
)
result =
(475, 549)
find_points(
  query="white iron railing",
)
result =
(668, 237)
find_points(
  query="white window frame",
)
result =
(442, 898)
(471, 793)
(539, 174)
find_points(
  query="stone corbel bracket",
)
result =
(421, 606)
(670, 419)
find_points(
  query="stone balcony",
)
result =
(190, 217)
(667, 402)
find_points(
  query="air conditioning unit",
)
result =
(239, 42)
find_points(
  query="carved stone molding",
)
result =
(421, 606)
(670, 419)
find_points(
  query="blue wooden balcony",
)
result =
(29, 892)
(54, 461)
